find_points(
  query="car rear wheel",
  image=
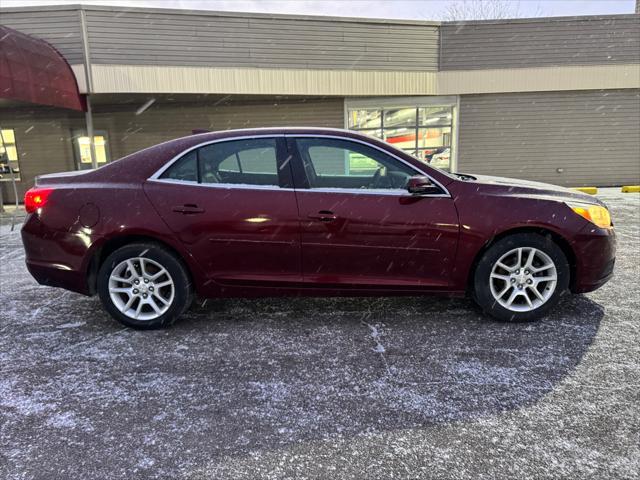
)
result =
(520, 277)
(144, 286)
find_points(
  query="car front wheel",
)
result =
(144, 286)
(520, 277)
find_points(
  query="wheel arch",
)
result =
(560, 240)
(112, 244)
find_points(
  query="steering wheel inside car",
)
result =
(392, 179)
(379, 180)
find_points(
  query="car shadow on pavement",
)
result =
(238, 376)
(298, 368)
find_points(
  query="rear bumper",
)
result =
(56, 258)
(595, 251)
(57, 275)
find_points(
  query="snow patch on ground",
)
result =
(72, 325)
(306, 388)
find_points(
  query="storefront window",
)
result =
(377, 133)
(434, 146)
(400, 117)
(82, 148)
(435, 116)
(365, 118)
(8, 155)
(424, 132)
(404, 138)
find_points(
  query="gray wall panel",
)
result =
(129, 132)
(153, 37)
(60, 28)
(594, 136)
(44, 135)
(540, 42)
(43, 138)
(224, 41)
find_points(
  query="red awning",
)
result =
(31, 70)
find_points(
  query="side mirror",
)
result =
(420, 185)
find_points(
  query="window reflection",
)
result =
(435, 116)
(424, 132)
(405, 117)
(8, 155)
(365, 118)
(82, 147)
(404, 138)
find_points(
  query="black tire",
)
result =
(183, 291)
(481, 278)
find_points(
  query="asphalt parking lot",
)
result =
(322, 388)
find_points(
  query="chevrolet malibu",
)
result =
(302, 211)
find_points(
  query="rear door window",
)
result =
(248, 162)
(236, 162)
(185, 169)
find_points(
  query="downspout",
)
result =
(88, 77)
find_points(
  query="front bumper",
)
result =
(595, 251)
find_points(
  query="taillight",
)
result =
(36, 198)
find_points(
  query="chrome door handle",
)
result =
(323, 216)
(188, 209)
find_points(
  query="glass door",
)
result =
(82, 149)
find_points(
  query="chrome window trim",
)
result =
(392, 192)
(227, 186)
(358, 190)
(156, 176)
(388, 192)
(242, 186)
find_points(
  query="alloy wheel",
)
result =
(141, 288)
(523, 279)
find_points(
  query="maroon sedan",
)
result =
(307, 212)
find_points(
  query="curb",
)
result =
(631, 189)
(589, 190)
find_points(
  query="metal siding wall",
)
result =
(129, 133)
(129, 37)
(540, 42)
(60, 28)
(47, 147)
(594, 136)
(44, 143)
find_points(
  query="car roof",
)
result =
(200, 138)
(277, 131)
(141, 165)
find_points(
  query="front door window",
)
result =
(342, 164)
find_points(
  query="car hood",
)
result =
(512, 187)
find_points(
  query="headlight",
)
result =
(596, 214)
